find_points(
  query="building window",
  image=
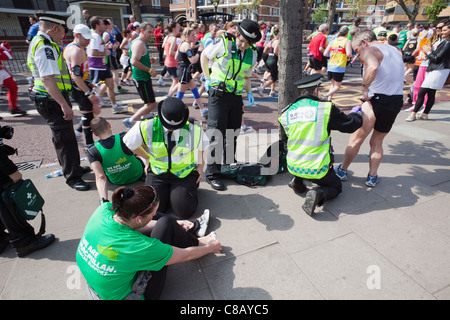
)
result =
(156, 3)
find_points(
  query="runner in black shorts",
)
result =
(315, 64)
(337, 76)
(145, 90)
(386, 108)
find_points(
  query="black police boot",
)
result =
(80, 185)
(298, 185)
(216, 184)
(313, 199)
(39, 243)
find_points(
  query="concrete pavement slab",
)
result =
(356, 272)
(267, 273)
(418, 249)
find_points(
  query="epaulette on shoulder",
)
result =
(149, 116)
(229, 36)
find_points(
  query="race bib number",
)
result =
(304, 114)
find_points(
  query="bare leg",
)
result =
(146, 109)
(376, 151)
(357, 138)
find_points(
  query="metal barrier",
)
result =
(18, 63)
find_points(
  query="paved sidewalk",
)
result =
(389, 242)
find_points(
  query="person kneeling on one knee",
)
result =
(306, 125)
(174, 150)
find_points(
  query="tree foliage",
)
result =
(433, 11)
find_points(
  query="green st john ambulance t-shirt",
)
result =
(110, 254)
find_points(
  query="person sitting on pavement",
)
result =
(175, 147)
(20, 233)
(126, 248)
(306, 125)
(111, 160)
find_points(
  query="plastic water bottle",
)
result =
(57, 173)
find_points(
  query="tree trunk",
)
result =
(136, 9)
(331, 13)
(411, 14)
(290, 50)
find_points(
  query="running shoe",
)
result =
(342, 174)
(203, 220)
(411, 117)
(422, 116)
(161, 82)
(103, 103)
(246, 129)
(119, 109)
(261, 90)
(372, 180)
(128, 122)
(122, 90)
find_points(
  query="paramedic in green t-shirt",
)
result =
(124, 250)
(111, 159)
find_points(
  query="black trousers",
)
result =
(330, 184)
(63, 138)
(224, 113)
(21, 233)
(180, 194)
(168, 231)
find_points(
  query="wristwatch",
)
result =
(103, 200)
(364, 85)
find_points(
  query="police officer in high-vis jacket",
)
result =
(174, 151)
(233, 59)
(52, 87)
(307, 125)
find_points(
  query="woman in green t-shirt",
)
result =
(125, 248)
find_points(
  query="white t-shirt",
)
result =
(96, 43)
(390, 74)
(46, 58)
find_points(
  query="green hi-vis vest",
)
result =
(230, 68)
(138, 74)
(63, 81)
(183, 155)
(306, 125)
(119, 167)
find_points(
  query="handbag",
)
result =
(25, 201)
